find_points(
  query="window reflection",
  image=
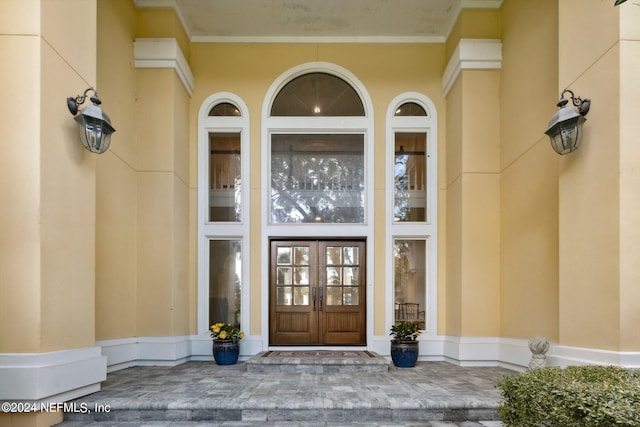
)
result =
(225, 275)
(225, 182)
(317, 178)
(410, 186)
(317, 94)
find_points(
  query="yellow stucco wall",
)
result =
(589, 184)
(529, 170)
(49, 208)
(144, 281)
(116, 175)
(474, 24)
(629, 179)
(473, 205)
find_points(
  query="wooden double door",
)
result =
(317, 292)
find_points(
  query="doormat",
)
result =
(319, 353)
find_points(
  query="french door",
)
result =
(317, 292)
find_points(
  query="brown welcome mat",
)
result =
(319, 353)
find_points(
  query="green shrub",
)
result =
(583, 396)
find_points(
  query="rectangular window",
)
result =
(225, 278)
(225, 189)
(317, 178)
(410, 177)
(409, 277)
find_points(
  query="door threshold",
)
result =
(317, 347)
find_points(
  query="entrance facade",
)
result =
(317, 292)
(300, 271)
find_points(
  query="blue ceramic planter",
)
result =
(225, 352)
(404, 354)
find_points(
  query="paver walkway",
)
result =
(433, 394)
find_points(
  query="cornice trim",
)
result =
(472, 54)
(163, 53)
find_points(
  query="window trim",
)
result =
(426, 230)
(208, 230)
(339, 124)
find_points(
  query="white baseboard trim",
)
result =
(560, 355)
(510, 353)
(54, 377)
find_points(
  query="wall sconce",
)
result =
(95, 125)
(565, 127)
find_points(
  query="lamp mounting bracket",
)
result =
(73, 103)
(583, 105)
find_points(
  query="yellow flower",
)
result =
(223, 335)
(215, 328)
(241, 335)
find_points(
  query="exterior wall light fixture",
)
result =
(94, 124)
(565, 127)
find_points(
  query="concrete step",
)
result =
(309, 416)
(317, 362)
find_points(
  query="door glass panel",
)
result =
(317, 178)
(350, 255)
(350, 276)
(301, 295)
(301, 256)
(284, 276)
(333, 276)
(301, 276)
(351, 296)
(410, 178)
(334, 256)
(334, 295)
(284, 256)
(225, 189)
(225, 275)
(284, 295)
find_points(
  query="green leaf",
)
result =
(618, 2)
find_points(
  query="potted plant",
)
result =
(404, 347)
(226, 346)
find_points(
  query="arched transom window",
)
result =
(317, 94)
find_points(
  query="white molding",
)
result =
(472, 54)
(512, 353)
(560, 355)
(54, 377)
(163, 53)
(321, 39)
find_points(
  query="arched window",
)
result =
(410, 109)
(225, 109)
(411, 205)
(223, 228)
(317, 94)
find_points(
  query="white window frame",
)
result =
(306, 124)
(226, 230)
(424, 230)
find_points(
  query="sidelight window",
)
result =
(225, 278)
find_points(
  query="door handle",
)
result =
(313, 297)
(321, 297)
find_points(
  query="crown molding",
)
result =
(163, 53)
(472, 54)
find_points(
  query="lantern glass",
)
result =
(95, 129)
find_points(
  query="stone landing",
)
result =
(317, 362)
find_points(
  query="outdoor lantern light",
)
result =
(95, 125)
(565, 127)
